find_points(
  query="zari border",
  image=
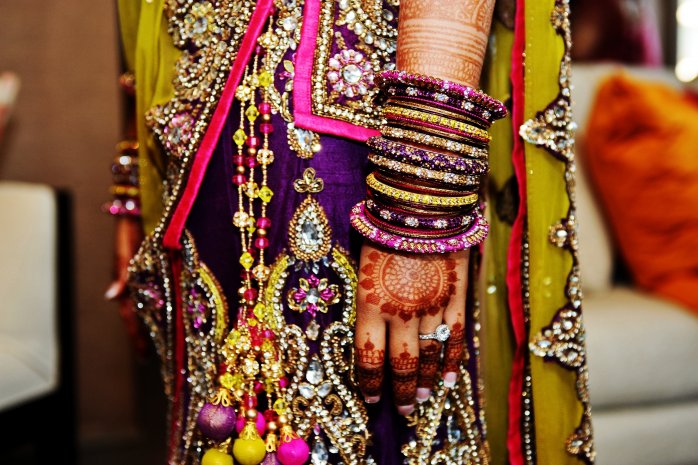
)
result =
(188, 185)
(303, 102)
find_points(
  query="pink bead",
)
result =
(239, 160)
(251, 162)
(258, 387)
(263, 222)
(239, 179)
(250, 294)
(261, 242)
(260, 423)
(264, 108)
(294, 452)
(250, 401)
(283, 382)
(266, 128)
(252, 141)
(268, 334)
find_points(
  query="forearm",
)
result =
(444, 38)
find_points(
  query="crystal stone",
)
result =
(319, 454)
(313, 330)
(315, 372)
(351, 73)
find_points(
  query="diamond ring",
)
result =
(441, 334)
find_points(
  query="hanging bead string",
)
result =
(252, 361)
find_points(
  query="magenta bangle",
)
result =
(388, 77)
(474, 235)
(126, 207)
(426, 158)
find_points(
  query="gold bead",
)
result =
(251, 414)
(271, 426)
(252, 151)
(241, 170)
(266, 118)
(283, 419)
(261, 232)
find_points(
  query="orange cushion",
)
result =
(642, 157)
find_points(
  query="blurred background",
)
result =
(62, 129)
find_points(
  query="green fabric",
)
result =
(148, 48)
(496, 333)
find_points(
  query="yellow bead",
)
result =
(266, 194)
(252, 113)
(239, 137)
(227, 380)
(216, 457)
(280, 406)
(264, 79)
(246, 260)
(249, 451)
(259, 311)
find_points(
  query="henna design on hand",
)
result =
(404, 377)
(454, 349)
(429, 361)
(370, 368)
(408, 286)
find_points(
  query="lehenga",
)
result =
(522, 394)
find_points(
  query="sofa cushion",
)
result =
(662, 434)
(640, 349)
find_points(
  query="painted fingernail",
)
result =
(423, 394)
(450, 379)
(112, 292)
(405, 409)
(372, 399)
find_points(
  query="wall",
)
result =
(63, 133)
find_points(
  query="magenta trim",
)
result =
(208, 144)
(302, 85)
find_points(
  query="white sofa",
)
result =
(37, 408)
(642, 350)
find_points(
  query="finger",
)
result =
(404, 359)
(369, 343)
(115, 290)
(429, 357)
(454, 317)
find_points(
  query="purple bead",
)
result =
(216, 421)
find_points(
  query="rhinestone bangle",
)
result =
(440, 176)
(420, 199)
(437, 142)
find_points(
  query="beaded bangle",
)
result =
(447, 124)
(125, 207)
(406, 231)
(426, 158)
(124, 188)
(432, 130)
(395, 77)
(436, 142)
(442, 176)
(474, 235)
(417, 222)
(417, 198)
(413, 93)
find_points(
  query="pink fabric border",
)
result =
(302, 87)
(215, 127)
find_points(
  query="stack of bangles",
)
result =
(124, 191)
(427, 165)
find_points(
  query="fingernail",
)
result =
(405, 409)
(112, 292)
(372, 399)
(423, 394)
(450, 379)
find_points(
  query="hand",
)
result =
(408, 295)
(128, 236)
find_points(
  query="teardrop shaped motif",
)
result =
(310, 236)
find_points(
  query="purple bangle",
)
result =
(446, 102)
(387, 77)
(392, 118)
(426, 158)
(471, 237)
(416, 221)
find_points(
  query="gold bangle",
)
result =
(127, 145)
(410, 105)
(130, 191)
(441, 176)
(442, 121)
(421, 199)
